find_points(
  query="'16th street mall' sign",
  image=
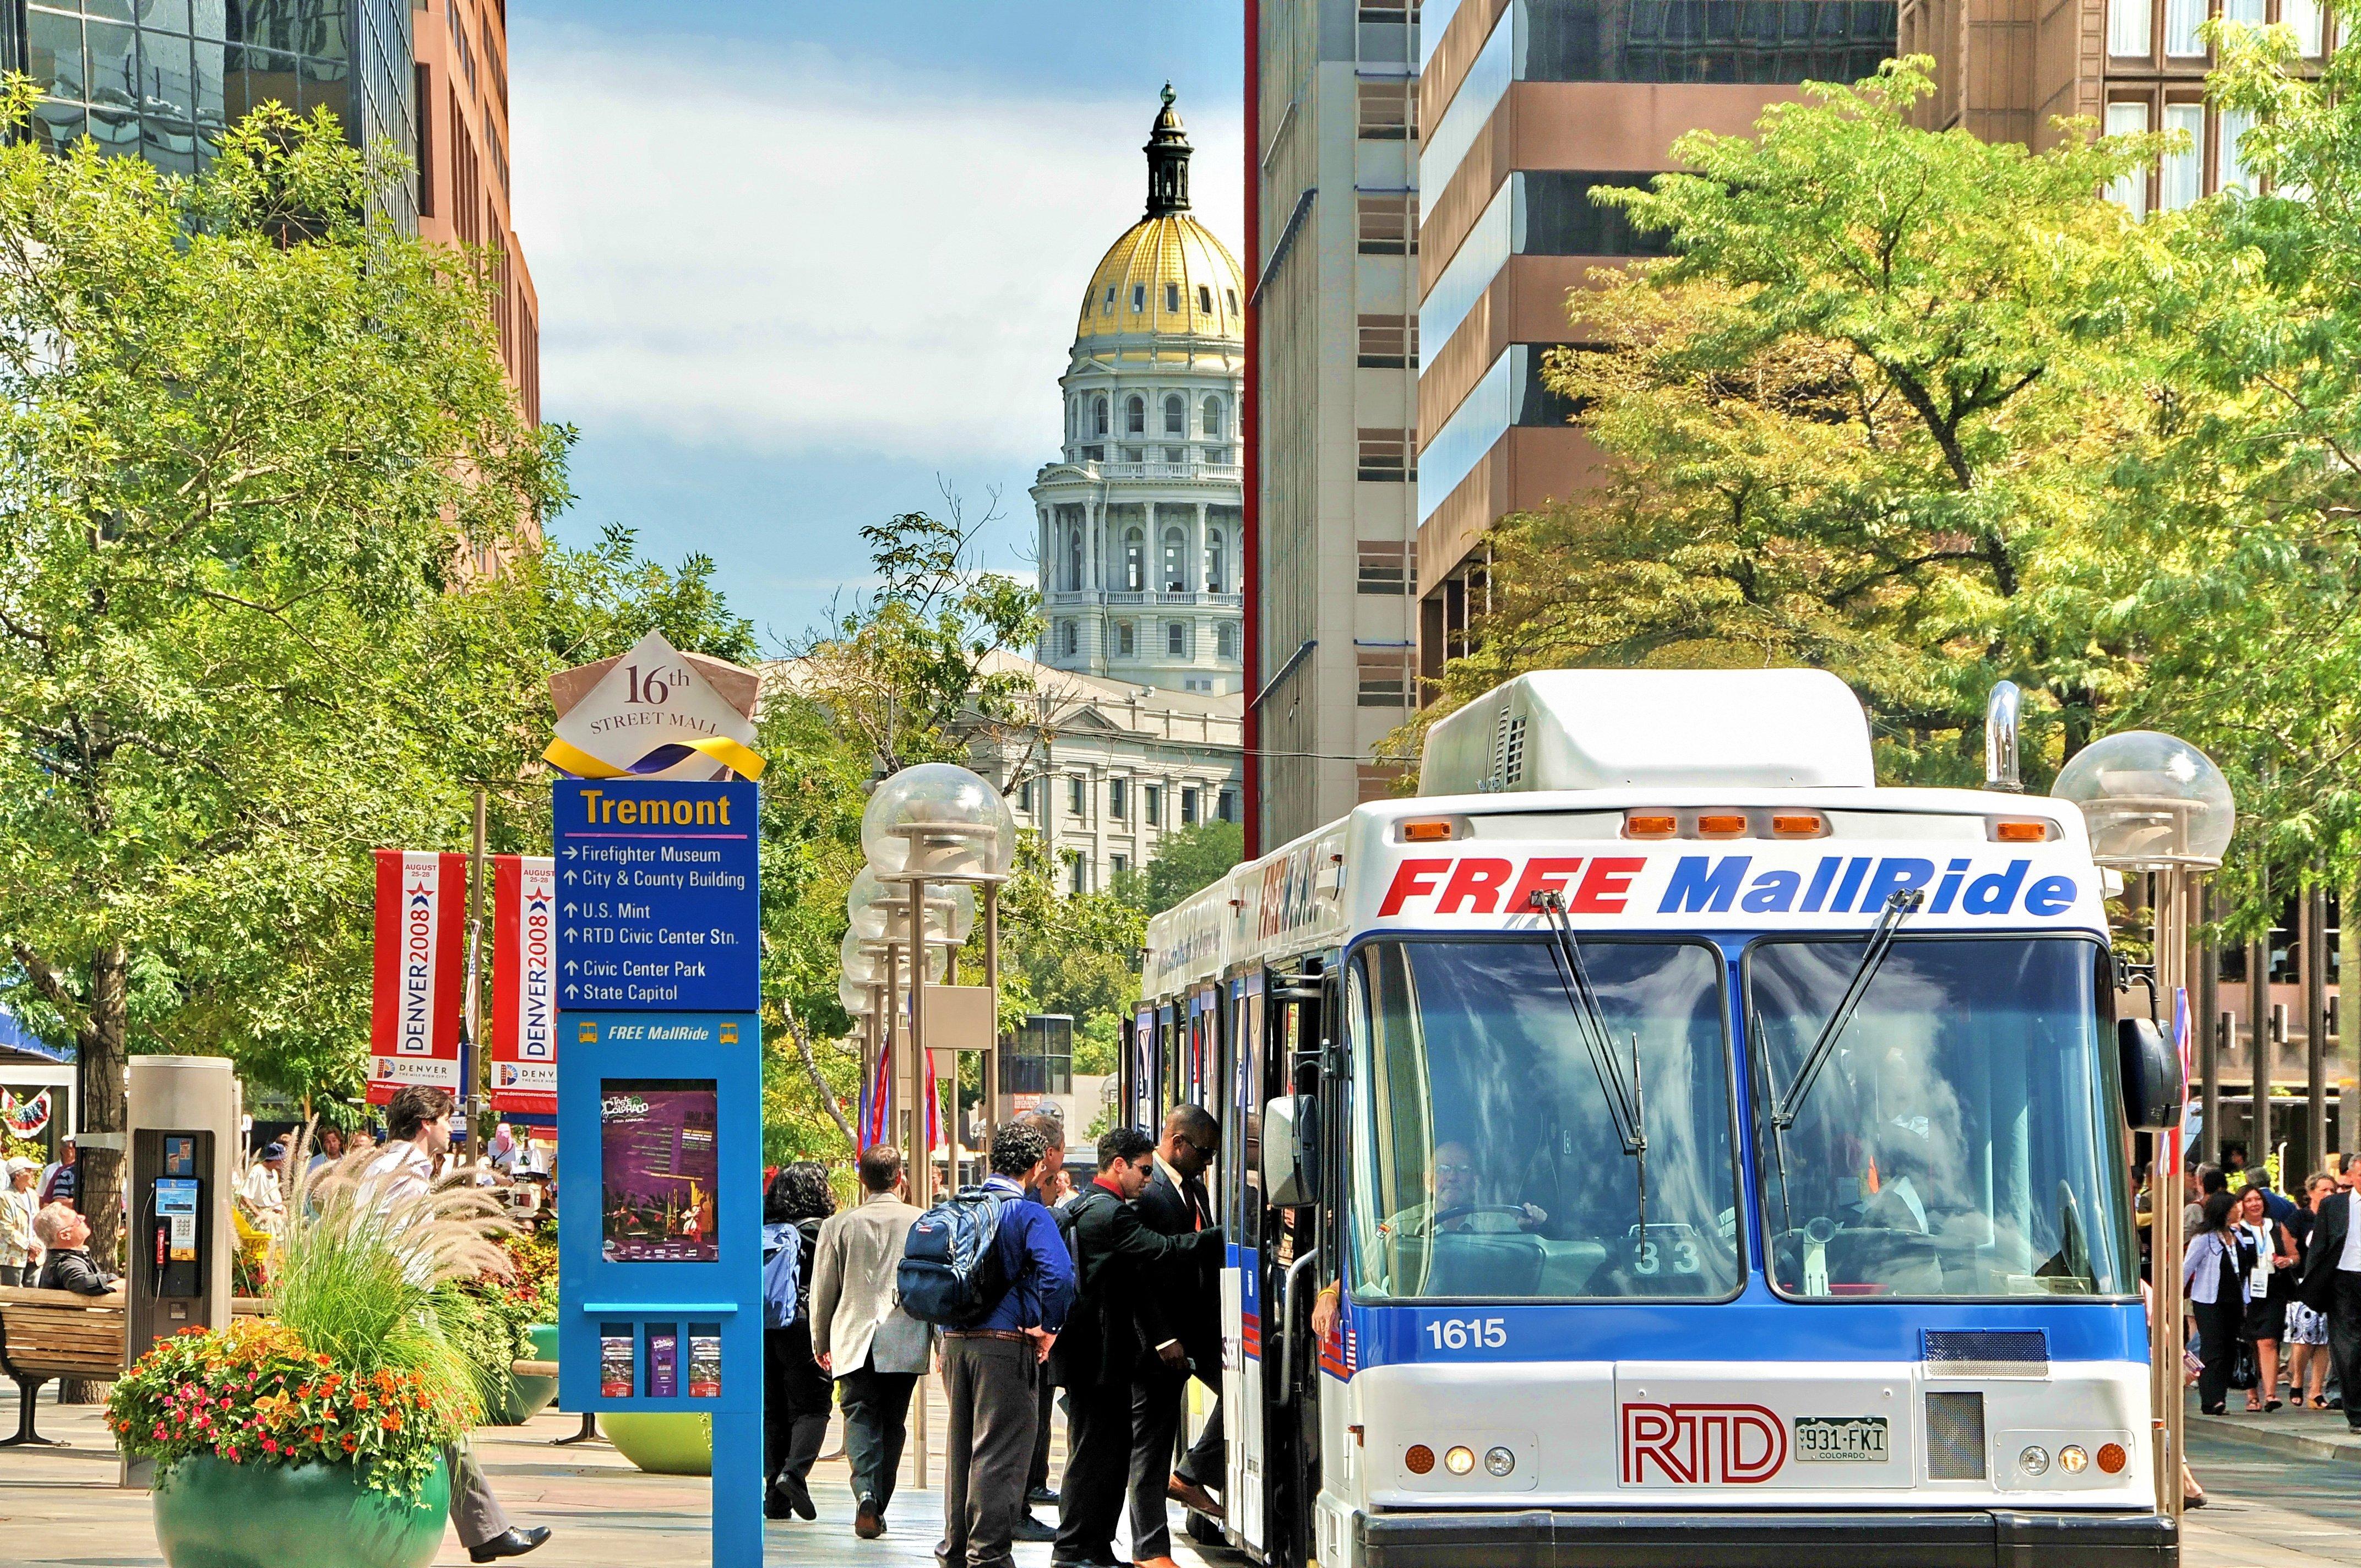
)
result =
(657, 899)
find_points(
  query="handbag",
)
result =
(2243, 1371)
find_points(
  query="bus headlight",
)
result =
(1459, 1459)
(2071, 1459)
(1500, 1461)
(2033, 1461)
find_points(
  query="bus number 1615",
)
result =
(1469, 1333)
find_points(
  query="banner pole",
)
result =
(474, 1059)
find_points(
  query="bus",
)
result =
(1712, 1157)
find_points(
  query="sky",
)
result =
(804, 265)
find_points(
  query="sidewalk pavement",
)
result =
(2309, 1434)
(60, 1507)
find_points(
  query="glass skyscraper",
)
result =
(162, 78)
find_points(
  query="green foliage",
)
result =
(1188, 858)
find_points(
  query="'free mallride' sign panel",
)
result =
(658, 895)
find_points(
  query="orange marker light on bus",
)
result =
(1425, 832)
(2021, 832)
(1649, 825)
(1721, 825)
(1798, 825)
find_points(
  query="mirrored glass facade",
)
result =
(163, 79)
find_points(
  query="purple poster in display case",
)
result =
(658, 1170)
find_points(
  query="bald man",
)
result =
(1189, 1291)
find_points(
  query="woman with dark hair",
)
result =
(2270, 1286)
(2213, 1274)
(797, 1395)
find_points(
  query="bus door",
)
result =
(1138, 1073)
(1168, 1058)
(1292, 1267)
(1240, 1108)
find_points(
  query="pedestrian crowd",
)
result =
(2273, 1284)
(1025, 1294)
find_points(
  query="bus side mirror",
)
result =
(2153, 1086)
(1290, 1151)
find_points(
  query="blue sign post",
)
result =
(659, 1119)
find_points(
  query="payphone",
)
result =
(185, 1119)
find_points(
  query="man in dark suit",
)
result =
(1099, 1353)
(1187, 1291)
(2329, 1281)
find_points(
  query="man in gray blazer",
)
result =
(861, 1337)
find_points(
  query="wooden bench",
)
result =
(56, 1333)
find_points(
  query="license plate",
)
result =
(1857, 1440)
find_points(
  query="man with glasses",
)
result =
(1189, 1288)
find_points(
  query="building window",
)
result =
(1025, 797)
(1099, 417)
(1066, 638)
(1040, 1059)
(1213, 561)
(1213, 420)
(1226, 640)
(1119, 864)
(1108, 309)
(2304, 15)
(1176, 565)
(1176, 415)
(1678, 41)
(1389, 110)
(1073, 558)
(2129, 189)
(2128, 29)
(1115, 789)
(1135, 416)
(2230, 172)
(1385, 678)
(1233, 296)
(1172, 298)
(1151, 803)
(1135, 560)
(1228, 806)
(1176, 639)
(1205, 299)
(1081, 883)
(1188, 808)
(1385, 455)
(1389, 223)
(2182, 20)
(1123, 636)
(1388, 343)
(1078, 793)
(1139, 298)
(1387, 566)
(2183, 173)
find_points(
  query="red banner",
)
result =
(422, 916)
(524, 985)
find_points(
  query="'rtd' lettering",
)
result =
(603, 810)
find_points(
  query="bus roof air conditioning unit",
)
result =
(1576, 729)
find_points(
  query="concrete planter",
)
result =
(662, 1443)
(212, 1514)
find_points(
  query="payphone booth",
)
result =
(184, 1149)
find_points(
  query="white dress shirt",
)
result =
(2349, 1261)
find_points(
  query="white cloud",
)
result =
(790, 252)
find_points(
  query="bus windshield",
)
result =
(1488, 1159)
(1959, 1138)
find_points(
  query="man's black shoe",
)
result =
(1043, 1496)
(509, 1543)
(798, 1496)
(867, 1522)
(1030, 1528)
(774, 1507)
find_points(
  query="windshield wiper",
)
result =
(1899, 906)
(1622, 1106)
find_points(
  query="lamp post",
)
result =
(2156, 804)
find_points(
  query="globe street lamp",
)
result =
(2157, 806)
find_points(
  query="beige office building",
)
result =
(1334, 112)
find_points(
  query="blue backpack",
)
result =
(951, 1274)
(783, 1267)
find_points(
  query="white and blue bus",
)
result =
(1718, 1159)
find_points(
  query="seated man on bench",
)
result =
(66, 1234)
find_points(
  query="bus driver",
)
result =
(1456, 1203)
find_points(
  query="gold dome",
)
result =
(1167, 276)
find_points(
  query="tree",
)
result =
(1186, 860)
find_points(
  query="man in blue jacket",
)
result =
(991, 1371)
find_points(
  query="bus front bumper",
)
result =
(1568, 1539)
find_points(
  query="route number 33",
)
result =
(1663, 1248)
(1469, 1333)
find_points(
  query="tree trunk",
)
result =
(104, 1110)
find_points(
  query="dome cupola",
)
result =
(1167, 152)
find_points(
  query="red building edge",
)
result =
(1250, 441)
